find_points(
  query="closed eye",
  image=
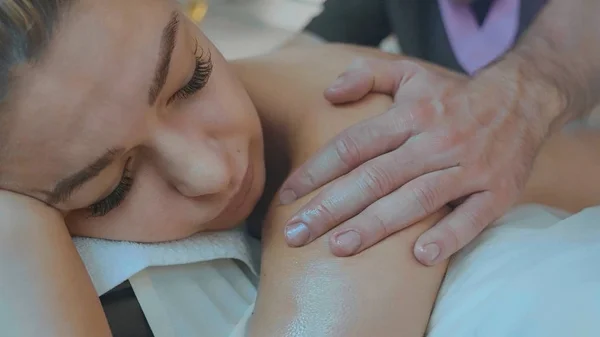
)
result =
(199, 78)
(116, 197)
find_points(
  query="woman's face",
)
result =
(134, 127)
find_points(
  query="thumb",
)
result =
(368, 75)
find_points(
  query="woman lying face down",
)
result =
(124, 117)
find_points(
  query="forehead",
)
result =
(91, 84)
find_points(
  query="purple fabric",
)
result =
(477, 46)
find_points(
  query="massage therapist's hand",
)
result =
(447, 139)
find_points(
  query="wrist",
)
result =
(537, 98)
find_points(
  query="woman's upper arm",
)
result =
(306, 292)
(566, 172)
(44, 287)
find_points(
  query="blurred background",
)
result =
(241, 28)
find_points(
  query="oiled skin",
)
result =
(383, 291)
(307, 291)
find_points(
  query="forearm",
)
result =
(558, 62)
(44, 288)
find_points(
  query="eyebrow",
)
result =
(64, 188)
(167, 45)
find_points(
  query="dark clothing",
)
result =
(480, 9)
(124, 313)
(417, 24)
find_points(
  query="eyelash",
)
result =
(199, 79)
(115, 198)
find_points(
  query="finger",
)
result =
(351, 194)
(366, 75)
(456, 229)
(407, 205)
(345, 152)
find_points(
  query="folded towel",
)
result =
(110, 263)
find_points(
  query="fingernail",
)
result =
(287, 197)
(429, 253)
(337, 84)
(297, 234)
(348, 242)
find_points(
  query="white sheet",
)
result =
(206, 299)
(535, 274)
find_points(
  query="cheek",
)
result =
(221, 111)
(154, 210)
(228, 96)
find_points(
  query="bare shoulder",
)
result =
(287, 87)
(297, 74)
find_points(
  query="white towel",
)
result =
(109, 263)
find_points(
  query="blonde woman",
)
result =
(120, 120)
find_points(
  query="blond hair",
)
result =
(26, 27)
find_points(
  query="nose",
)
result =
(195, 165)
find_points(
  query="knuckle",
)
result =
(347, 150)
(397, 120)
(477, 225)
(400, 64)
(306, 178)
(426, 197)
(422, 115)
(359, 64)
(376, 181)
(474, 223)
(409, 66)
(452, 239)
(327, 213)
(382, 227)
